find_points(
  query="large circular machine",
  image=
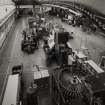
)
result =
(71, 86)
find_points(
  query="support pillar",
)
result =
(34, 11)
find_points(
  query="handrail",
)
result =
(2, 21)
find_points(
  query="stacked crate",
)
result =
(41, 78)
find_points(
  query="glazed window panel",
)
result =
(6, 25)
(2, 29)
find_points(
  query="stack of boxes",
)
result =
(41, 78)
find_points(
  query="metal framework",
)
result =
(26, 2)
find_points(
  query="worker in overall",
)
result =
(32, 93)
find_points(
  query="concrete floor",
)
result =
(11, 53)
(91, 44)
(6, 53)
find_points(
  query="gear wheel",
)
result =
(70, 83)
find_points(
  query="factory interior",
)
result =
(52, 52)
